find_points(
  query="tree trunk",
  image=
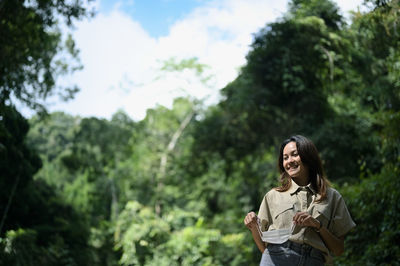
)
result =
(164, 159)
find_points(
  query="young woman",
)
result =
(306, 201)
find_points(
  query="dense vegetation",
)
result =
(173, 189)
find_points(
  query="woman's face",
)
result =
(292, 163)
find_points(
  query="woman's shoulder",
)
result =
(272, 191)
(333, 194)
(273, 194)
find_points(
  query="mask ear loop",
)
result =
(292, 227)
(293, 224)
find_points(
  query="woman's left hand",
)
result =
(305, 219)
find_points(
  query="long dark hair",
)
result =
(310, 157)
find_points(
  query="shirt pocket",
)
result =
(283, 216)
(323, 214)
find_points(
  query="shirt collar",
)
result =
(294, 188)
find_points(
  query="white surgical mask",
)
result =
(278, 236)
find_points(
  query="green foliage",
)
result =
(281, 90)
(374, 204)
(52, 134)
(21, 248)
(36, 227)
(54, 234)
(139, 231)
(17, 165)
(326, 10)
(184, 66)
(292, 84)
(172, 66)
(179, 238)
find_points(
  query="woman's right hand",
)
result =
(250, 221)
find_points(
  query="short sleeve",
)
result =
(264, 214)
(342, 222)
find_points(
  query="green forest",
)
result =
(174, 188)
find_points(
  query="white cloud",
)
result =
(115, 52)
(121, 58)
(349, 5)
(219, 34)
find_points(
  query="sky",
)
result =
(124, 47)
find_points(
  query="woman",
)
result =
(306, 201)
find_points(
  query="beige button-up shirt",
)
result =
(278, 208)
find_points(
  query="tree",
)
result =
(18, 164)
(31, 47)
(294, 72)
(374, 201)
(36, 226)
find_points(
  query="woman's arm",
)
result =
(334, 244)
(251, 223)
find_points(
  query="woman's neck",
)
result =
(301, 181)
